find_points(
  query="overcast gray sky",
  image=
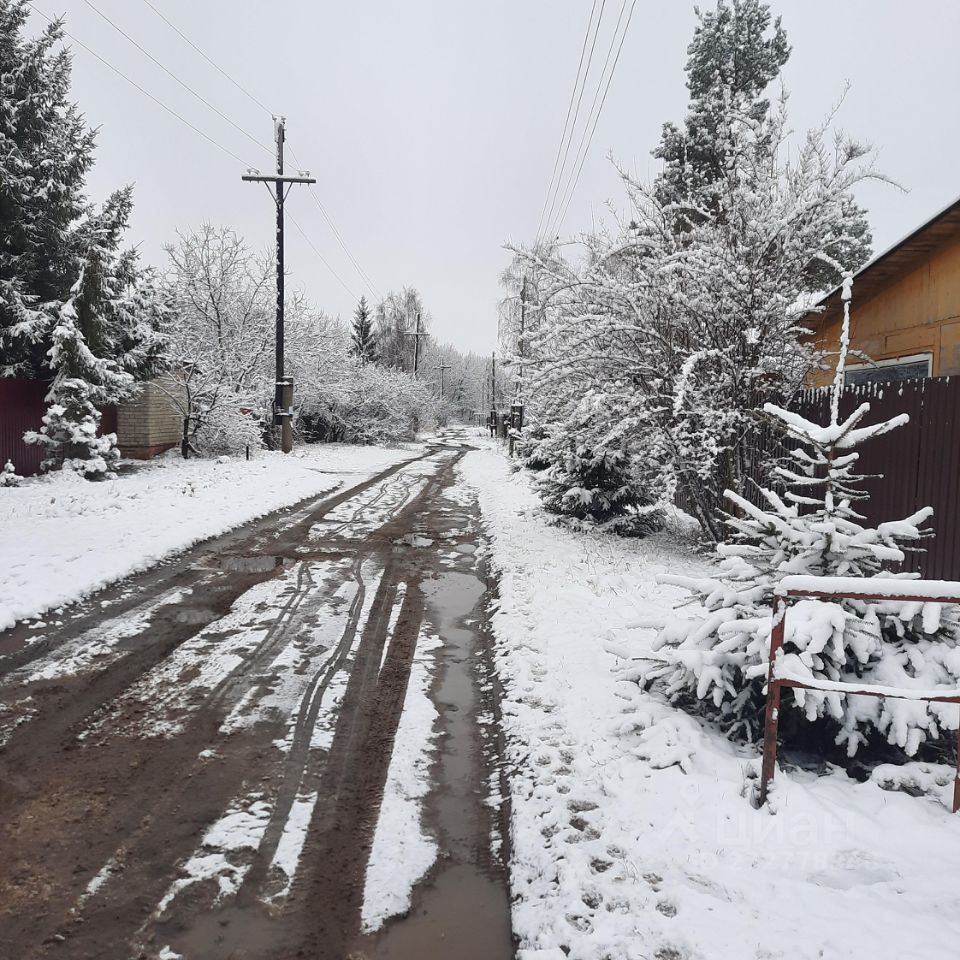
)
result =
(432, 125)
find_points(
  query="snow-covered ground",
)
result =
(632, 832)
(64, 537)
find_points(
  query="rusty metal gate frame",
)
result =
(784, 594)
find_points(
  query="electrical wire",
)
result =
(371, 286)
(212, 63)
(566, 121)
(322, 258)
(569, 194)
(362, 273)
(563, 192)
(134, 83)
(583, 86)
(173, 76)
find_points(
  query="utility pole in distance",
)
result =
(493, 393)
(417, 334)
(283, 394)
(442, 367)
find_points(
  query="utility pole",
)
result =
(520, 342)
(493, 393)
(442, 367)
(283, 392)
(417, 334)
(516, 409)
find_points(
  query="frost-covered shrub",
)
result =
(717, 660)
(9, 476)
(365, 403)
(228, 429)
(70, 432)
(593, 478)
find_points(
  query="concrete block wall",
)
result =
(152, 422)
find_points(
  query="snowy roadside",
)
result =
(631, 833)
(64, 537)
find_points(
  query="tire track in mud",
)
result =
(350, 780)
(149, 810)
(285, 527)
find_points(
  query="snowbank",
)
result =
(632, 834)
(62, 537)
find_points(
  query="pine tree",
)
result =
(716, 662)
(737, 51)
(362, 336)
(46, 150)
(74, 308)
(592, 475)
(99, 337)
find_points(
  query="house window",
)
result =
(914, 367)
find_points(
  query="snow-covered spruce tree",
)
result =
(9, 476)
(594, 478)
(46, 150)
(74, 308)
(362, 336)
(716, 662)
(100, 338)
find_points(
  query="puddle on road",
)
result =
(192, 615)
(462, 911)
(259, 564)
(413, 540)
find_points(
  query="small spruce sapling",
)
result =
(715, 662)
(8, 476)
(593, 479)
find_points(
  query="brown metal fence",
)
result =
(914, 466)
(21, 409)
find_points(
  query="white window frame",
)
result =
(892, 362)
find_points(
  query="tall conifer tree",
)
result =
(75, 309)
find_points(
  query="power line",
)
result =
(596, 118)
(563, 135)
(212, 63)
(210, 139)
(322, 258)
(576, 114)
(364, 276)
(134, 83)
(363, 273)
(562, 192)
(173, 76)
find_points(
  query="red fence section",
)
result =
(918, 464)
(21, 409)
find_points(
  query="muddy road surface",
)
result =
(283, 743)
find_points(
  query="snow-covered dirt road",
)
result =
(281, 743)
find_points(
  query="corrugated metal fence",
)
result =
(914, 466)
(21, 409)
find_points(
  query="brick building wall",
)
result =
(151, 423)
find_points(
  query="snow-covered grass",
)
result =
(633, 835)
(64, 537)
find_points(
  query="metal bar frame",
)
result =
(775, 684)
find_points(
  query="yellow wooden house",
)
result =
(905, 313)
